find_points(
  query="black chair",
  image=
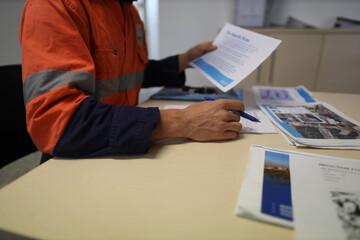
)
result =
(16, 140)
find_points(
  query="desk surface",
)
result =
(180, 190)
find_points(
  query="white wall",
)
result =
(182, 24)
(185, 23)
(10, 15)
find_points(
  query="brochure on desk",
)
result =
(263, 197)
(304, 121)
(318, 195)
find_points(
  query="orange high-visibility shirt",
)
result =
(76, 51)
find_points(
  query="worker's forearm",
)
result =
(171, 124)
(183, 62)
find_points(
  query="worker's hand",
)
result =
(193, 53)
(205, 121)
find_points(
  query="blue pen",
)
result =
(242, 114)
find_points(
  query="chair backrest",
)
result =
(16, 139)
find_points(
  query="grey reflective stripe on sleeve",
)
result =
(119, 84)
(47, 80)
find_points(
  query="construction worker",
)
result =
(84, 62)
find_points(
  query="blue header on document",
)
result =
(238, 36)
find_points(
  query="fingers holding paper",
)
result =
(193, 53)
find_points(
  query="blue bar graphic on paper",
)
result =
(305, 95)
(276, 195)
(283, 124)
(213, 72)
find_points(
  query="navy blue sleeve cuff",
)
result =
(98, 129)
(132, 128)
(164, 73)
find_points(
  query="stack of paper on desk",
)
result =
(304, 121)
(318, 195)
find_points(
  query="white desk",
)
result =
(180, 190)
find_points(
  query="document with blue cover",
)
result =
(317, 195)
(239, 52)
(265, 193)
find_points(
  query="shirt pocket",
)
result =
(142, 54)
(107, 63)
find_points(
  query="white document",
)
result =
(264, 126)
(175, 106)
(239, 52)
(326, 200)
(318, 195)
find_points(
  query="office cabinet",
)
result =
(296, 60)
(321, 60)
(339, 69)
(251, 80)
